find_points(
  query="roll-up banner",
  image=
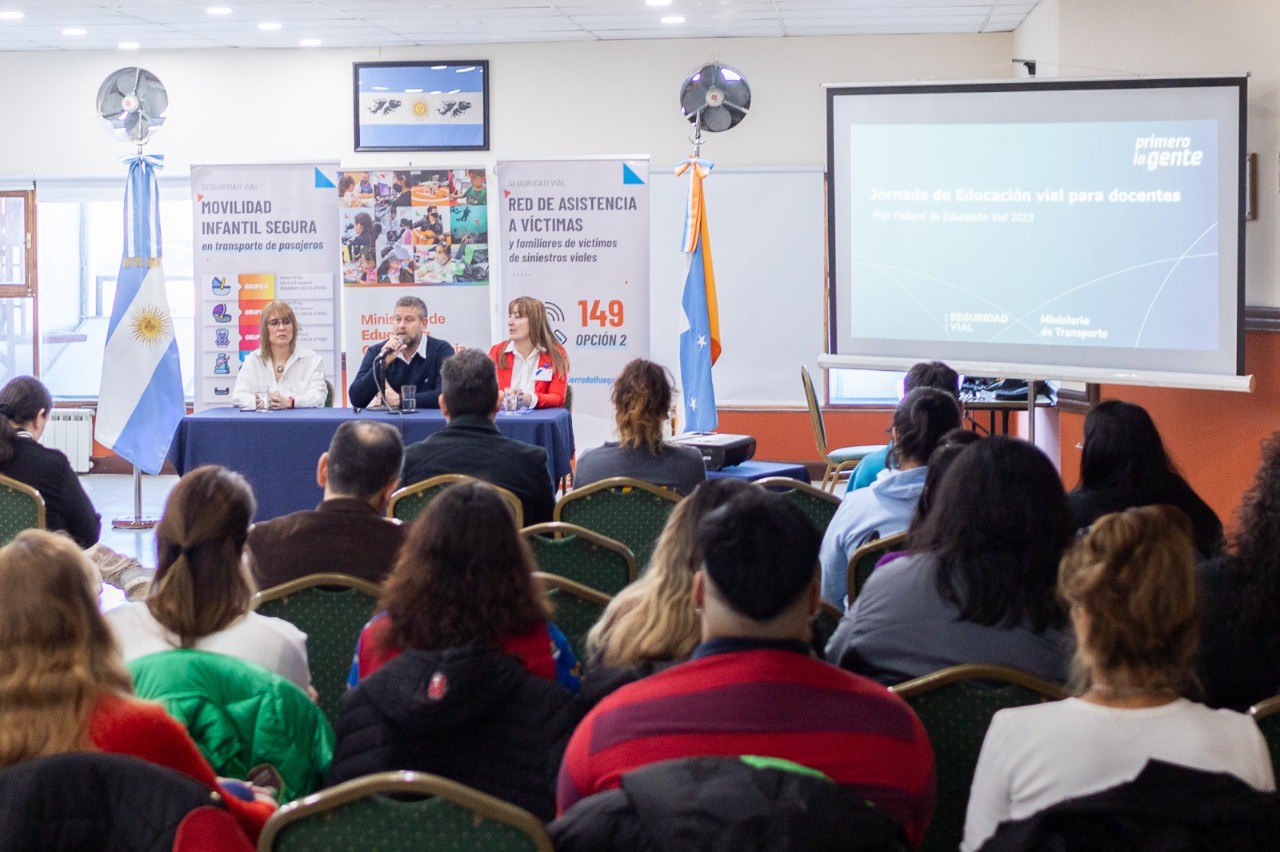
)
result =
(262, 232)
(575, 234)
(414, 232)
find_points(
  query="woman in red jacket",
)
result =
(533, 370)
(63, 685)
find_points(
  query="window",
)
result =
(79, 261)
(864, 387)
(17, 284)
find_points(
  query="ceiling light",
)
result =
(673, 19)
(309, 42)
(10, 15)
(75, 31)
(218, 10)
(128, 45)
(657, 2)
(270, 25)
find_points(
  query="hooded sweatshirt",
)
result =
(865, 515)
(471, 714)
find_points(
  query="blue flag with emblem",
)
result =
(700, 334)
(141, 401)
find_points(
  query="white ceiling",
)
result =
(184, 24)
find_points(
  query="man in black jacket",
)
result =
(409, 356)
(472, 445)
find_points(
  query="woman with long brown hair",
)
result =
(641, 404)
(63, 685)
(533, 369)
(202, 591)
(1131, 589)
(291, 375)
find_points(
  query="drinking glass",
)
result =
(262, 394)
(408, 398)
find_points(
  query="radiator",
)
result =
(71, 430)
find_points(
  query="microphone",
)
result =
(391, 351)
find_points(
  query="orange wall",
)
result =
(786, 435)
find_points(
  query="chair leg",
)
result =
(828, 478)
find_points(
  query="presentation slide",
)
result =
(1089, 234)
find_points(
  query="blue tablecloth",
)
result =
(277, 450)
(753, 470)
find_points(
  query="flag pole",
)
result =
(138, 521)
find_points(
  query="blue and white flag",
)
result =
(700, 337)
(141, 401)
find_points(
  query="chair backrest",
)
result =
(956, 706)
(626, 510)
(21, 508)
(864, 559)
(1267, 715)
(328, 394)
(818, 506)
(568, 398)
(815, 412)
(409, 502)
(575, 609)
(429, 812)
(578, 554)
(823, 626)
(331, 609)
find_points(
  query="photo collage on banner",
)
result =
(262, 233)
(421, 232)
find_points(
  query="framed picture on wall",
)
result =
(422, 106)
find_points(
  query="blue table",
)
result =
(277, 451)
(753, 470)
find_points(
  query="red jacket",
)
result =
(550, 393)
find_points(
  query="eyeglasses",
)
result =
(276, 323)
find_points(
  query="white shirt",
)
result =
(1035, 757)
(524, 369)
(272, 643)
(421, 350)
(302, 379)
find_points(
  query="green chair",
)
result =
(21, 508)
(628, 511)
(956, 706)
(824, 624)
(818, 506)
(1267, 715)
(575, 609)
(582, 556)
(841, 460)
(328, 394)
(408, 503)
(331, 609)
(864, 559)
(428, 812)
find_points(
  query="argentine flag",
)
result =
(700, 337)
(141, 401)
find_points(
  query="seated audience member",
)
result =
(752, 687)
(1124, 464)
(1240, 630)
(473, 694)
(641, 402)
(63, 686)
(926, 374)
(533, 370)
(919, 423)
(347, 532)
(202, 589)
(409, 356)
(25, 406)
(1130, 585)
(472, 445)
(293, 375)
(979, 584)
(653, 620)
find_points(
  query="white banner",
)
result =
(414, 232)
(575, 234)
(262, 232)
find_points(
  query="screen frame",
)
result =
(482, 65)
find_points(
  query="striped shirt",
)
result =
(741, 696)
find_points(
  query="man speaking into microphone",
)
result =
(409, 356)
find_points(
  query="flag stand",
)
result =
(137, 522)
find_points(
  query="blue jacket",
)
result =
(884, 508)
(422, 372)
(868, 469)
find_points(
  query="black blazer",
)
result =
(471, 444)
(423, 372)
(66, 505)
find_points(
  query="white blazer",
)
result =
(302, 379)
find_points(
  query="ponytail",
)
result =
(920, 421)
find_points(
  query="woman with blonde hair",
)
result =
(653, 620)
(202, 592)
(63, 686)
(292, 375)
(1131, 588)
(641, 404)
(533, 370)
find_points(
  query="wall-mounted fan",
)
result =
(132, 104)
(714, 98)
